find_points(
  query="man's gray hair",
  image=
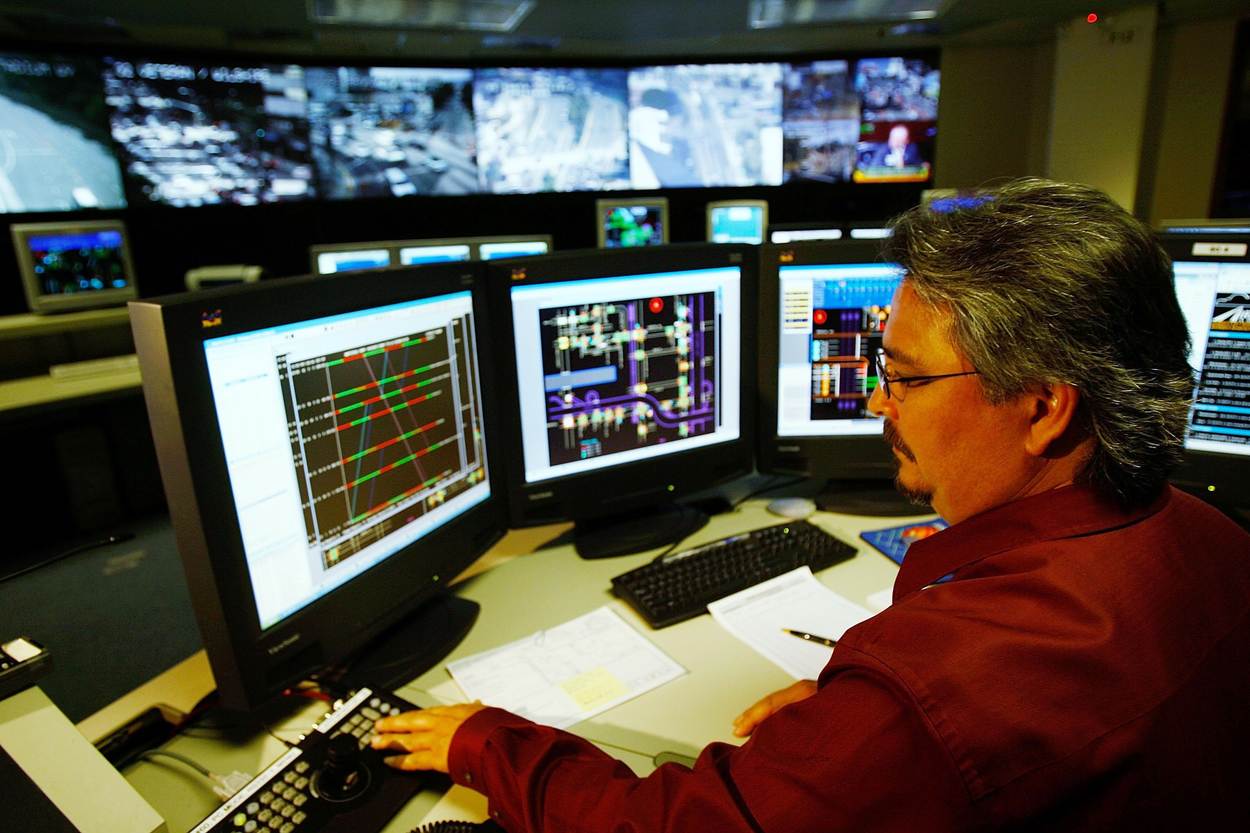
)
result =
(1050, 282)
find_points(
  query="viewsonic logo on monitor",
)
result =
(518, 274)
(211, 319)
(786, 257)
(273, 650)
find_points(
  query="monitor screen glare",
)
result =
(1215, 298)
(347, 438)
(350, 261)
(78, 262)
(832, 321)
(623, 369)
(737, 224)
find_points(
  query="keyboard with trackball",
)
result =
(679, 586)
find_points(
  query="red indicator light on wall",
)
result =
(1091, 18)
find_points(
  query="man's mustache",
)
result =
(891, 435)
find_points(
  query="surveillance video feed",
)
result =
(897, 89)
(54, 139)
(193, 134)
(552, 129)
(705, 125)
(820, 121)
(393, 131)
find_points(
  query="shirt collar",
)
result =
(1066, 512)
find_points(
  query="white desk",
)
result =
(527, 592)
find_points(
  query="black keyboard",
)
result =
(331, 781)
(676, 587)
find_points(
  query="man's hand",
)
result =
(422, 737)
(745, 723)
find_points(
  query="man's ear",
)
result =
(1052, 419)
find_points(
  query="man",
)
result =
(1072, 654)
(898, 151)
(666, 160)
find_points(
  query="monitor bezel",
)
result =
(760, 204)
(602, 205)
(252, 665)
(834, 458)
(1218, 477)
(41, 303)
(632, 485)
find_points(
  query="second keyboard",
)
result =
(679, 586)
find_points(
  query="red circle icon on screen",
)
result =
(820, 316)
(656, 305)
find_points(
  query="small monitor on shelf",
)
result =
(869, 230)
(737, 221)
(630, 223)
(74, 265)
(804, 232)
(823, 311)
(326, 446)
(631, 387)
(433, 251)
(1211, 271)
(495, 248)
(350, 257)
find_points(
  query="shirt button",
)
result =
(468, 777)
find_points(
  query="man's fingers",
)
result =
(413, 761)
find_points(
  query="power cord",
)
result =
(224, 786)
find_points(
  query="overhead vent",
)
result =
(773, 14)
(471, 15)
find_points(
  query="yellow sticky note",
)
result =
(594, 688)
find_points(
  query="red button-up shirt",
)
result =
(1085, 668)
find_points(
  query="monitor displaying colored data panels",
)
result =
(514, 248)
(55, 152)
(193, 134)
(737, 222)
(347, 438)
(392, 131)
(626, 224)
(832, 319)
(623, 369)
(69, 266)
(1215, 298)
(559, 129)
(351, 260)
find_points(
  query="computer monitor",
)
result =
(434, 253)
(631, 223)
(1211, 269)
(804, 232)
(326, 446)
(74, 265)
(630, 384)
(350, 257)
(737, 221)
(869, 230)
(823, 311)
(494, 248)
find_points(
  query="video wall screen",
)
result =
(83, 133)
(55, 152)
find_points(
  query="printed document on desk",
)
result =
(759, 616)
(569, 673)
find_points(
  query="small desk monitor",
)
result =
(494, 248)
(1211, 270)
(823, 311)
(350, 257)
(631, 223)
(326, 446)
(871, 230)
(630, 387)
(803, 232)
(74, 265)
(737, 221)
(434, 252)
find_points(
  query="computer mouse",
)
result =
(795, 508)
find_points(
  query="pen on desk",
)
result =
(811, 637)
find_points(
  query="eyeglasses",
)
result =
(886, 382)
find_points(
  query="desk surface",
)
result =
(526, 591)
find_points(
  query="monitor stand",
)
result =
(637, 531)
(413, 645)
(877, 498)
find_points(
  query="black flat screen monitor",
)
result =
(823, 311)
(737, 221)
(1211, 269)
(804, 232)
(352, 257)
(74, 265)
(325, 446)
(631, 223)
(630, 386)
